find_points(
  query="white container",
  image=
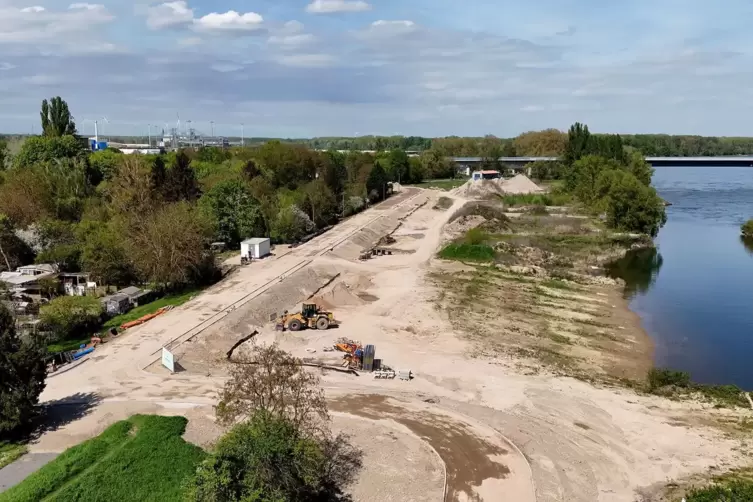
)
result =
(255, 248)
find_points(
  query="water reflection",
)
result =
(748, 244)
(638, 268)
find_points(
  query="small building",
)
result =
(77, 284)
(485, 175)
(255, 248)
(116, 304)
(27, 279)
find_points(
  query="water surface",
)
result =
(695, 296)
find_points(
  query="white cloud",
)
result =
(169, 14)
(291, 41)
(308, 60)
(382, 28)
(229, 21)
(190, 41)
(37, 24)
(333, 6)
(6, 66)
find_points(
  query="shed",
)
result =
(256, 248)
(116, 304)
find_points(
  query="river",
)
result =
(695, 293)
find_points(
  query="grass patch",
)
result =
(142, 458)
(467, 252)
(733, 491)
(447, 184)
(175, 299)
(10, 452)
(67, 345)
(667, 382)
(559, 284)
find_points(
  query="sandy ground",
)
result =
(491, 431)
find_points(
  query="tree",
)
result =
(376, 184)
(22, 375)
(56, 118)
(586, 171)
(268, 459)
(545, 170)
(13, 251)
(235, 213)
(578, 145)
(271, 380)
(638, 167)
(181, 183)
(546, 143)
(69, 315)
(634, 207)
(104, 164)
(334, 173)
(38, 149)
(399, 166)
(168, 245)
(291, 224)
(251, 170)
(436, 165)
(104, 255)
(59, 245)
(4, 154)
(158, 175)
(491, 151)
(320, 203)
(130, 190)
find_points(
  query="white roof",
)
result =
(17, 278)
(255, 240)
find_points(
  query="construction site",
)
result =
(423, 378)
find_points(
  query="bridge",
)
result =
(519, 162)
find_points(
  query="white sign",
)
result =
(168, 360)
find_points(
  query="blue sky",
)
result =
(299, 68)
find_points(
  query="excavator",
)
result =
(310, 316)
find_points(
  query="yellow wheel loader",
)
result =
(310, 316)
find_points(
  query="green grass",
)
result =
(467, 252)
(10, 452)
(735, 491)
(663, 380)
(67, 345)
(442, 184)
(142, 310)
(139, 459)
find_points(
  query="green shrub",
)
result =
(476, 236)
(662, 377)
(736, 491)
(467, 252)
(747, 229)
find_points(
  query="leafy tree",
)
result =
(491, 151)
(399, 166)
(104, 254)
(608, 146)
(545, 170)
(4, 154)
(334, 173)
(22, 375)
(320, 203)
(376, 184)
(416, 171)
(578, 145)
(251, 170)
(104, 164)
(13, 251)
(37, 149)
(130, 192)
(181, 181)
(291, 224)
(638, 167)
(235, 212)
(168, 245)
(586, 172)
(72, 315)
(633, 206)
(212, 154)
(436, 165)
(158, 175)
(56, 118)
(60, 245)
(546, 143)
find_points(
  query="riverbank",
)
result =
(530, 289)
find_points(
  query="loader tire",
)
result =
(295, 325)
(322, 323)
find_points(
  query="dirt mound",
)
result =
(520, 184)
(339, 296)
(480, 189)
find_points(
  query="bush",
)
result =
(476, 236)
(467, 252)
(632, 206)
(69, 315)
(662, 377)
(291, 225)
(736, 491)
(747, 229)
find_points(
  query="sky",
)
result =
(304, 68)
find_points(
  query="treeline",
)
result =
(150, 219)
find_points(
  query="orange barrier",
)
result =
(143, 319)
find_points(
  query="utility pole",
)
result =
(150, 134)
(212, 122)
(242, 139)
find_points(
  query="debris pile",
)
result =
(483, 189)
(520, 184)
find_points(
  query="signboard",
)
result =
(168, 360)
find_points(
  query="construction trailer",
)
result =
(255, 248)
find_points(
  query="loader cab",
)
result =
(309, 310)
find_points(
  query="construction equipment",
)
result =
(310, 316)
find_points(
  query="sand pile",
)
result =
(520, 184)
(339, 296)
(480, 189)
